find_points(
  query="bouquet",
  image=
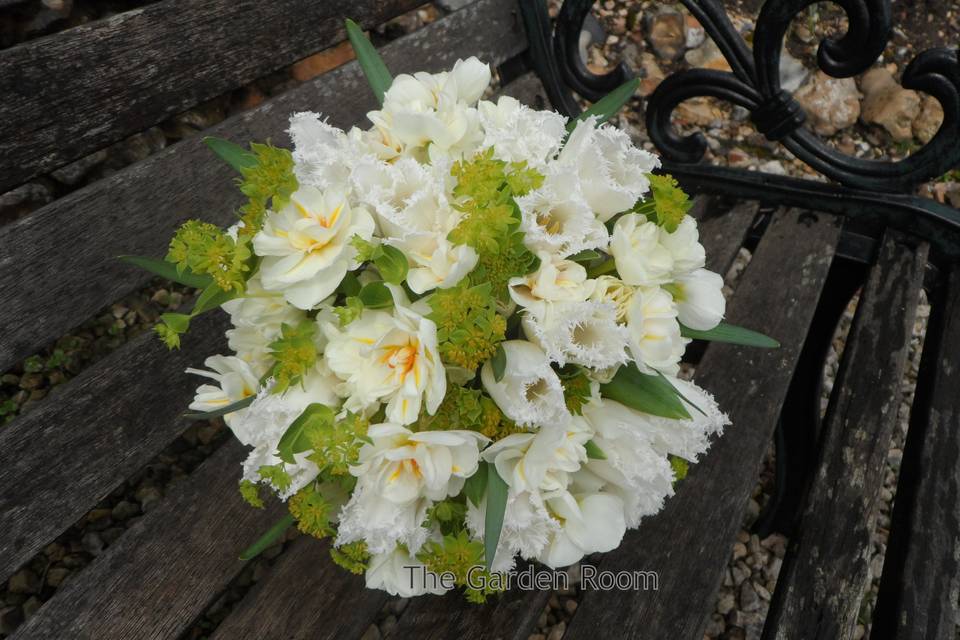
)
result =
(455, 334)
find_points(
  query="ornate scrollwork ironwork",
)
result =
(753, 82)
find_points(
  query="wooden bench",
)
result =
(57, 268)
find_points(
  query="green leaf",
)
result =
(296, 438)
(168, 271)
(375, 295)
(178, 322)
(370, 61)
(496, 506)
(645, 392)
(593, 451)
(499, 363)
(267, 539)
(587, 255)
(230, 408)
(732, 334)
(476, 485)
(392, 264)
(683, 397)
(349, 286)
(234, 155)
(211, 298)
(607, 106)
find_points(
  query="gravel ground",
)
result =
(654, 39)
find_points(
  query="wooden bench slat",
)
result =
(100, 428)
(166, 569)
(722, 233)
(305, 596)
(58, 266)
(689, 542)
(921, 570)
(87, 87)
(825, 571)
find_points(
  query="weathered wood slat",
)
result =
(136, 210)
(305, 596)
(689, 542)
(722, 233)
(825, 572)
(167, 568)
(71, 451)
(921, 571)
(95, 84)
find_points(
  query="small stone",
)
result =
(54, 551)
(24, 581)
(739, 551)
(372, 633)
(141, 145)
(124, 510)
(774, 167)
(112, 534)
(92, 543)
(726, 603)
(739, 158)
(388, 625)
(570, 606)
(775, 544)
(697, 111)
(928, 122)
(652, 74)
(398, 605)
(31, 606)
(76, 171)
(10, 619)
(889, 105)
(707, 56)
(696, 34)
(24, 199)
(666, 33)
(762, 591)
(749, 601)
(148, 496)
(716, 626)
(207, 432)
(31, 381)
(57, 575)
(557, 632)
(792, 71)
(831, 104)
(859, 632)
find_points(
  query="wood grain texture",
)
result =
(826, 569)
(921, 570)
(79, 444)
(305, 597)
(722, 232)
(84, 88)
(58, 266)
(167, 568)
(688, 543)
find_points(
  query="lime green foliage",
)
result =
(353, 556)
(668, 205)
(295, 354)
(275, 474)
(366, 250)
(206, 249)
(471, 409)
(447, 515)
(336, 445)
(468, 325)
(458, 554)
(576, 390)
(351, 310)
(268, 183)
(486, 188)
(680, 467)
(171, 327)
(250, 491)
(312, 511)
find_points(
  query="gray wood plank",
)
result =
(80, 443)
(688, 543)
(921, 571)
(825, 571)
(58, 266)
(84, 88)
(167, 568)
(305, 597)
(723, 232)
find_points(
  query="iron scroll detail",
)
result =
(753, 82)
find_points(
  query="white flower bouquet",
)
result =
(456, 334)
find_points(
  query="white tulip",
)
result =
(684, 247)
(323, 155)
(530, 392)
(584, 333)
(235, 381)
(306, 246)
(555, 280)
(590, 523)
(257, 319)
(518, 133)
(699, 298)
(388, 357)
(615, 291)
(400, 574)
(640, 257)
(612, 172)
(655, 339)
(435, 262)
(556, 218)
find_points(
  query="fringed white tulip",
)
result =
(530, 393)
(640, 258)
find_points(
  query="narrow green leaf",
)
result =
(233, 154)
(375, 295)
(267, 539)
(683, 397)
(392, 264)
(230, 408)
(476, 485)
(296, 438)
(608, 106)
(593, 451)
(370, 61)
(499, 363)
(211, 298)
(645, 392)
(587, 255)
(732, 334)
(168, 271)
(496, 506)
